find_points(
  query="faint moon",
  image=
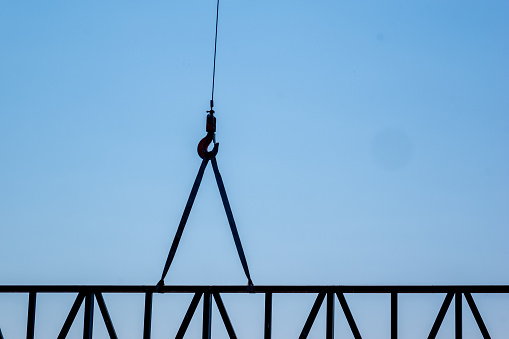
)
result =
(392, 149)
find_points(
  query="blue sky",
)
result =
(361, 142)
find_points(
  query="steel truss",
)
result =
(87, 294)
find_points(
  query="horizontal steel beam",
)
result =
(255, 289)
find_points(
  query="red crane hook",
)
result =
(209, 138)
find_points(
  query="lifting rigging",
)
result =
(207, 156)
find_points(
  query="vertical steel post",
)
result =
(458, 321)
(31, 315)
(330, 315)
(207, 315)
(89, 316)
(147, 323)
(268, 315)
(394, 315)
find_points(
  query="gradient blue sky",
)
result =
(361, 142)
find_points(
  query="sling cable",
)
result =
(207, 156)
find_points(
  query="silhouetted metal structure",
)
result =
(87, 294)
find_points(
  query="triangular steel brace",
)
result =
(187, 211)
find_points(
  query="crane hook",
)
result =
(209, 138)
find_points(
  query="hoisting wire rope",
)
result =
(214, 68)
(208, 156)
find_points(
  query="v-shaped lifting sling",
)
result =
(207, 156)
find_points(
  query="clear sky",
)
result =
(361, 142)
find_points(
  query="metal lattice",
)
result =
(90, 295)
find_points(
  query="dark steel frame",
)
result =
(210, 294)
